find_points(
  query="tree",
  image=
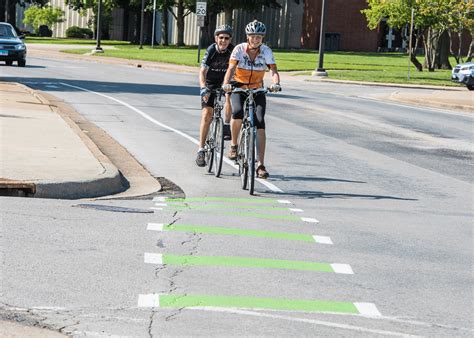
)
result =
(37, 16)
(462, 19)
(8, 7)
(432, 19)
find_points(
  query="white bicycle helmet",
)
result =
(226, 29)
(255, 28)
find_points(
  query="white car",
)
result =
(464, 73)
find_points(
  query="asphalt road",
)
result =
(390, 186)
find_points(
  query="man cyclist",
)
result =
(211, 75)
(247, 66)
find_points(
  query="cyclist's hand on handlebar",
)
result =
(227, 87)
(274, 88)
(204, 91)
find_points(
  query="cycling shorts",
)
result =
(238, 100)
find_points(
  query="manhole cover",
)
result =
(113, 208)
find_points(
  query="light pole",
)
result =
(98, 48)
(153, 28)
(141, 24)
(320, 71)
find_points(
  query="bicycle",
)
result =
(247, 140)
(214, 145)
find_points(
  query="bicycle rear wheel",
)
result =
(251, 159)
(219, 147)
(210, 146)
(243, 168)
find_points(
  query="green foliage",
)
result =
(37, 16)
(78, 32)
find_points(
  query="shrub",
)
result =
(39, 16)
(79, 33)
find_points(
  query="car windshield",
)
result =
(7, 32)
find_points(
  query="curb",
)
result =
(109, 182)
(435, 104)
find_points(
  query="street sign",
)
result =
(200, 21)
(201, 8)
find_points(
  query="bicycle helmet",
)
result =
(255, 28)
(226, 29)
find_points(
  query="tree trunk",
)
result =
(126, 23)
(2, 11)
(471, 50)
(457, 55)
(11, 13)
(180, 23)
(228, 16)
(209, 28)
(431, 44)
(442, 59)
(413, 59)
(164, 27)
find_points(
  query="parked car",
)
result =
(12, 48)
(464, 73)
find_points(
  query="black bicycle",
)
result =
(214, 145)
(247, 141)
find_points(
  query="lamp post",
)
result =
(141, 24)
(98, 48)
(320, 71)
(153, 28)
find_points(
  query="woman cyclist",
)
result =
(211, 75)
(247, 66)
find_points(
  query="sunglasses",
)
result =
(224, 37)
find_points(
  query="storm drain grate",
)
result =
(113, 208)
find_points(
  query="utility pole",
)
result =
(153, 28)
(320, 71)
(410, 42)
(141, 24)
(98, 48)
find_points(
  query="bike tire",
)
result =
(210, 146)
(243, 169)
(219, 147)
(251, 160)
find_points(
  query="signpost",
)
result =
(201, 10)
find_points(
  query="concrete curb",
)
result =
(396, 96)
(109, 182)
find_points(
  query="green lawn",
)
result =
(373, 67)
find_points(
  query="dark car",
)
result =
(12, 48)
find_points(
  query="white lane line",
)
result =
(161, 205)
(159, 199)
(296, 210)
(51, 86)
(155, 226)
(284, 202)
(342, 268)
(154, 208)
(149, 300)
(368, 309)
(323, 239)
(153, 258)
(151, 119)
(309, 220)
(303, 320)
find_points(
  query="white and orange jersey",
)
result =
(250, 73)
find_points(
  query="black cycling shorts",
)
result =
(238, 100)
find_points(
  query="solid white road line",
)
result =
(151, 119)
(149, 300)
(323, 239)
(161, 205)
(368, 309)
(153, 258)
(159, 199)
(154, 208)
(342, 268)
(155, 226)
(284, 202)
(309, 220)
(296, 210)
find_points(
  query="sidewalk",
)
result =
(44, 155)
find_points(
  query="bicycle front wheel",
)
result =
(243, 168)
(219, 147)
(251, 159)
(210, 146)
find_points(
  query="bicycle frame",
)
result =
(215, 140)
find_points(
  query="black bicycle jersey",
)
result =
(216, 64)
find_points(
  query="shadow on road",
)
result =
(311, 179)
(320, 194)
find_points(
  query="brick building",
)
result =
(346, 26)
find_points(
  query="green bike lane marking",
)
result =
(219, 199)
(254, 303)
(239, 232)
(248, 262)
